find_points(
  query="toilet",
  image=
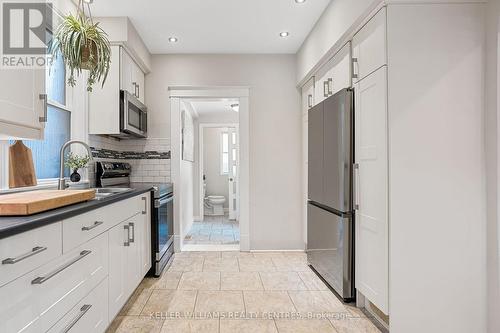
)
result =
(214, 204)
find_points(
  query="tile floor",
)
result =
(218, 230)
(238, 292)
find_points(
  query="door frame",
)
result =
(176, 94)
(202, 127)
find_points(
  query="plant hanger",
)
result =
(83, 45)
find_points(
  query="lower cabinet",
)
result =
(83, 289)
(38, 299)
(89, 315)
(125, 261)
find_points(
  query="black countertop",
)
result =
(11, 225)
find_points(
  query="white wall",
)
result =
(275, 132)
(491, 117)
(216, 183)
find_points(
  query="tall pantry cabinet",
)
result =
(417, 73)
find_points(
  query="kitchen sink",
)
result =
(106, 192)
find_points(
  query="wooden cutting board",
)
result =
(21, 168)
(27, 203)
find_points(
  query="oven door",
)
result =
(133, 115)
(165, 224)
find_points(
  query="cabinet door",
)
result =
(126, 72)
(146, 235)
(372, 225)
(342, 69)
(369, 46)
(323, 85)
(315, 154)
(21, 107)
(138, 79)
(118, 270)
(134, 257)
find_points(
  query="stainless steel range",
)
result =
(162, 216)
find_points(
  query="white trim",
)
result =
(201, 128)
(175, 95)
(221, 155)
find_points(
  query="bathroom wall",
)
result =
(216, 183)
(211, 118)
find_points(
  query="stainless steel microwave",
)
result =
(133, 116)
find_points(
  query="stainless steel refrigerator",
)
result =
(330, 214)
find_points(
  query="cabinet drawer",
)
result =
(22, 253)
(89, 315)
(80, 229)
(38, 299)
(369, 46)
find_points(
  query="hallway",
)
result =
(214, 230)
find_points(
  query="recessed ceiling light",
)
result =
(300, 1)
(173, 39)
(284, 34)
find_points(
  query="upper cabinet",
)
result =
(369, 46)
(334, 76)
(23, 104)
(104, 101)
(132, 76)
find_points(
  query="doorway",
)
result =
(211, 187)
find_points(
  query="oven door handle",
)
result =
(161, 202)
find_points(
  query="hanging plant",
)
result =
(84, 46)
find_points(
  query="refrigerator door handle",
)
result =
(356, 186)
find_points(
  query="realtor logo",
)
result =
(25, 32)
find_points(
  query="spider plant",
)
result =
(83, 45)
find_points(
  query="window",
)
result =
(224, 153)
(58, 127)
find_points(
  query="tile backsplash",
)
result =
(149, 158)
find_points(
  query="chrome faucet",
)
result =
(62, 182)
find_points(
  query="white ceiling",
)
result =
(217, 26)
(215, 106)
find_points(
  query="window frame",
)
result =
(221, 153)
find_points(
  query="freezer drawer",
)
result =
(330, 248)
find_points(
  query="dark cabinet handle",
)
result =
(42, 279)
(35, 250)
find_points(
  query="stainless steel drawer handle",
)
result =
(96, 224)
(83, 311)
(330, 86)
(127, 229)
(132, 228)
(42, 279)
(145, 205)
(325, 88)
(35, 250)
(354, 64)
(310, 101)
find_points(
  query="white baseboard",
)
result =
(277, 250)
(244, 243)
(177, 243)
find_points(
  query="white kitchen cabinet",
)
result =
(89, 315)
(104, 101)
(125, 261)
(38, 299)
(371, 189)
(308, 96)
(24, 252)
(369, 46)
(145, 234)
(22, 103)
(132, 77)
(334, 76)
(118, 267)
